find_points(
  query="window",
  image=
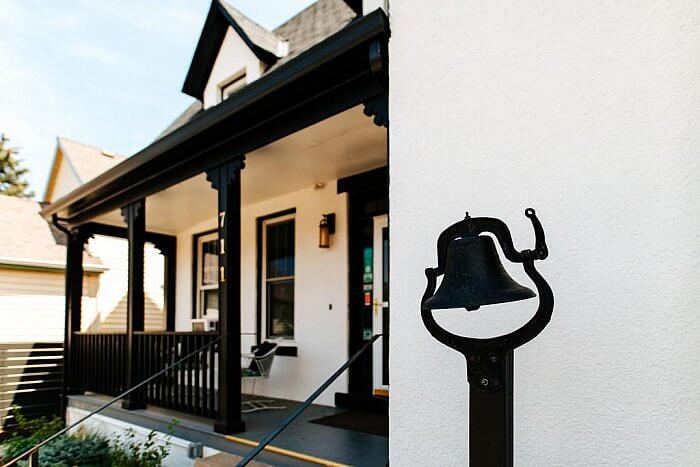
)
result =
(207, 277)
(278, 277)
(232, 84)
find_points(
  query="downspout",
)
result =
(66, 321)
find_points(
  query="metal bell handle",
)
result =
(530, 329)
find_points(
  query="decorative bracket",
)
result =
(133, 210)
(225, 173)
(378, 106)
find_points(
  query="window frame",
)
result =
(238, 79)
(264, 312)
(197, 271)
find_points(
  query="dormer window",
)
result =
(232, 84)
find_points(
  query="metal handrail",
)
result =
(31, 453)
(300, 408)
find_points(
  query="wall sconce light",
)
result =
(325, 229)
(474, 277)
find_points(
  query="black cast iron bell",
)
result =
(474, 276)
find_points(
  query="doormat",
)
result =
(355, 420)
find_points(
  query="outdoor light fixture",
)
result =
(325, 229)
(474, 277)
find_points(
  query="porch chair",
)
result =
(258, 365)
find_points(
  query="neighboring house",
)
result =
(32, 285)
(587, 113)
(74, 164)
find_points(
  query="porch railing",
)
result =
(99, 365)
(31, 455)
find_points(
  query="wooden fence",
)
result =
(30, 379)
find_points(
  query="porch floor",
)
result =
(333, 444)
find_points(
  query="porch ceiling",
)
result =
(345, 144)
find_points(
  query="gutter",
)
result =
(33, 264)
(174, 157)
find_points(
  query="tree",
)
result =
(12, 181)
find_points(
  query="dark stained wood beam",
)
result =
(226, 179)
(135, 217)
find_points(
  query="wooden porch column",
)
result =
(135, 217)
(74, 293)
(226, 180)
(168, 248)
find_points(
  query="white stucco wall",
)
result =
(588, 112)
(234, 55)
(321, 279)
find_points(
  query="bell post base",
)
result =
(491, 419)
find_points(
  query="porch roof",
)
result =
(330, 77)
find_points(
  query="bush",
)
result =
(127, 451)
(29, 433)
(84, 449)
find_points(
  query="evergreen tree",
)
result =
(12, 182)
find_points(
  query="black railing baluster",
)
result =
(32, 453)
(197, 344)
(212, 382)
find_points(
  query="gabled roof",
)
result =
(302, 31)
(267, 46)
(29, 240)
(338, 73)
(86, 161)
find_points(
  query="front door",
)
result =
(380, 306)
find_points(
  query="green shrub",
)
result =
(127, 451)
(82, 449)
(29, 433)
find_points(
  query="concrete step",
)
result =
(224, 460)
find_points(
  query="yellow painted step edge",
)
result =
(287, 452)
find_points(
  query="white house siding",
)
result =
(32, 304)
(112, 292)
(234, 56)
(588, 112)
(321, 279)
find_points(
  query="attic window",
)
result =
(232, 84)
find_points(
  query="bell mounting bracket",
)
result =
(490, 360)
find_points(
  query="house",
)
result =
(32, 309)
(587, 112)
(240, 228)
(74, 164)
(32, 264)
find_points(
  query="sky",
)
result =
(102, 72)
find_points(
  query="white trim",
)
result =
(198, 280)
(241, 75)
(379, 301)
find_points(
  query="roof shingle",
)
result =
(87, 161)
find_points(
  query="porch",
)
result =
(305, 443)
(270, 209)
